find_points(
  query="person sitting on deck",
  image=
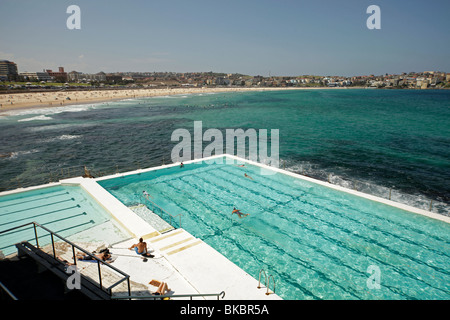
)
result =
(162, 290)
(87, 173)
(162, 287)
(239, 213)
(141, 248)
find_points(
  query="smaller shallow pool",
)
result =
(66, 210)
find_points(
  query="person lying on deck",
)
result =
(102, 256)
(239, 213)
(141, 248)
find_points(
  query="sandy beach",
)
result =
(27, 100)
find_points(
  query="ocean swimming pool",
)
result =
(317, 242)
(66, 210)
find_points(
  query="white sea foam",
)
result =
(16, 154)
(40, 118)
(57, 127)
(61, 138)
(52, 110)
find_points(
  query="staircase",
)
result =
(173, 242)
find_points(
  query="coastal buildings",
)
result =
(59, 75)
(411, 80)
(36, 76)
(8, 71)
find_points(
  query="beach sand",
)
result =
(27, 100)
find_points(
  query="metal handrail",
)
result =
(266, 281)
(220, 295)
(268, 285)
(4, 289)
(259, 279)
(52, 234)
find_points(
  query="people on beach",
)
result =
(239, 213)
(141, 248)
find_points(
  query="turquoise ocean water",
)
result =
(386, 142)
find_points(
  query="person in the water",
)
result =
(239, 213)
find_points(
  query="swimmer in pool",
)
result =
(247, 176)
(146, 194)
(239, 213)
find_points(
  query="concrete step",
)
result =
(173, 242)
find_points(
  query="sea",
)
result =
(391, 143)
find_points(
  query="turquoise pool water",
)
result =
(317, 242)
(66, 210)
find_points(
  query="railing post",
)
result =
(270, 276)
(74, 257)
(53, 245)
(259, 279)
(35, 235)
(99, 274)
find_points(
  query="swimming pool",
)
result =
(317, 242)
(64, 209)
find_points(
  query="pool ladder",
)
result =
(267, 283)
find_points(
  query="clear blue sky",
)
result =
(280, 37)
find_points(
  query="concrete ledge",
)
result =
(135, 225)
